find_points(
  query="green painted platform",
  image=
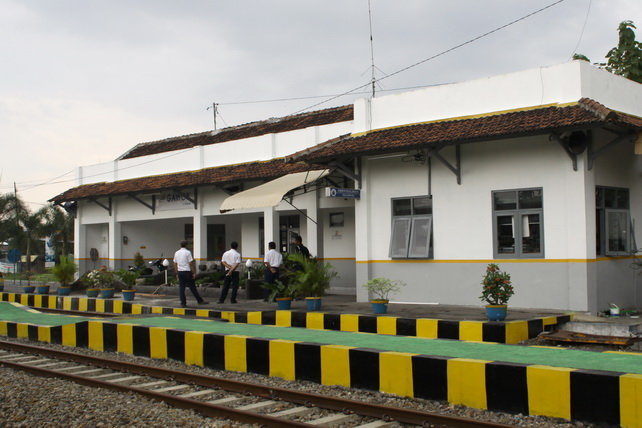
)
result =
(558, 357)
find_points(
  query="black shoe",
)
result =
(183, 305)
(203, 302)
(233, 301)
(220, 302)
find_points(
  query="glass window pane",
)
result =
(401, 207)
(400, 237)
(420, 237)
(529, 199)
(422, 206)
(505, 200)
(610, 196)
(531, 237)
(622, 198)
(505, 235)
(617, 231)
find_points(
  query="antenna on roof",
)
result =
(214, 111)
(372, 63)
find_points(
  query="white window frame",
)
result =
(518, 232)
(409, 252)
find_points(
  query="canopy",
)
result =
(272, 192)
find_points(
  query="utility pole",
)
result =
(214, 111)
(372, 62)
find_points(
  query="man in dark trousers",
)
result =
(272, 261)
(231, 260)
(299, 248)
(185, 273)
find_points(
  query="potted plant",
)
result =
(380, 290)
(1, 282)
(101, 282)
(128, 278)
(283, 293)
(312, 277)
(496, 290)
(64, 273)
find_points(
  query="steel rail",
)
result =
(387, 413)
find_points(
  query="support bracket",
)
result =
(151, 206)
(594, 154)
(455, 169)
(345, 171)
(100, 204)
(566, 148)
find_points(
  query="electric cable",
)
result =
(588, 10)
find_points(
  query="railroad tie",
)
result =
(376, 424)
(293, 412)
(58, 363)
(86, 371)
(151, 384)
(42, 360)
(332, 420)
(124, 379)
(257, 406)
(171, 388)
(64, 369)
(226, 400)
(197, 393)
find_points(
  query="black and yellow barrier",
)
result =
(479, 331)
(594, 396)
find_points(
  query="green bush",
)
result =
(128, 277)
(64, 271)
(497, 287)
(383, 288)
(311, 277)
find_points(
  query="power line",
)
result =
(588, 10)
(474, 39)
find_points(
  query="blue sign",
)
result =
(14, 255)
(336, 192)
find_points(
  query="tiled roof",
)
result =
(218, 175)
(585, 113)
(282, 124)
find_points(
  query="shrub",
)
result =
(383, 288)
(312, 277)
(128, 277)
(64, 271)
(497, 287)
(99, 278)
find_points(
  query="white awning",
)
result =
(272, 192)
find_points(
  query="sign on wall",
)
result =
(337, 192)
(175, 201)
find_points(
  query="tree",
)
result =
(626, 58)
(60, 227)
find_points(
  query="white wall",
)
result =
(563, 83)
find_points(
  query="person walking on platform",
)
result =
(299, 248)
(185, 272)
(231, 260)
(272, 261)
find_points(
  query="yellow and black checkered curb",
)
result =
(479, 331)
(594, 396)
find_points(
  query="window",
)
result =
(518, 223)
(411, 235)
(614, 227)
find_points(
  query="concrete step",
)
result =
(625, 327)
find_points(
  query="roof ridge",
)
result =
(597, 108)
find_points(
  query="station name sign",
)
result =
(174, 201)
(337, 192)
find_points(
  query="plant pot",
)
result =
(64, 291)
(42, 289)
(106, 293)
(283, 303)
(92, 292)
(28, 288)
(496, 312)
(313, 303)
(379, 306)
(1, 286)
(128, 295)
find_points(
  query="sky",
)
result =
(81, 82)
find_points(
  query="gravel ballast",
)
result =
(27, 401)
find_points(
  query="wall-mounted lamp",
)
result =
(125, 240)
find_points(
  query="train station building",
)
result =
(539, 171)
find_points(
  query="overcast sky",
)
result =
(83, 81)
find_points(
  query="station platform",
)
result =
(600, 387)
(339, 312)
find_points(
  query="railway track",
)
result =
(217, 397)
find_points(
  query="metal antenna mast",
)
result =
(214, 111)
(372, 63)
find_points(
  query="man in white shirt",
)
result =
(185, 267)
(272, 261)
(231, 260)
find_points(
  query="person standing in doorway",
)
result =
(231, 260)
(185, 273)
(299, 248)
(272, 261)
